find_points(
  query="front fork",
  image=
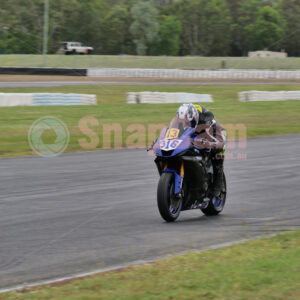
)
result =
(178, 178)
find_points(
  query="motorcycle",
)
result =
(186, 174)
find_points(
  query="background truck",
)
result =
(75, 48)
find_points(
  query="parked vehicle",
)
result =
(75, 48)
(186, 174)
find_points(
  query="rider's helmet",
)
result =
(189, 114)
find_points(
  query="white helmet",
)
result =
(189, 113)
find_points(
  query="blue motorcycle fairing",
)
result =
(178, 180)
(186, 138)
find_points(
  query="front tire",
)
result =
(215, 205)
(169, 206)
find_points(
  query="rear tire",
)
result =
(215, 206)
(169, 207)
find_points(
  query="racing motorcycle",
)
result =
(186, 174)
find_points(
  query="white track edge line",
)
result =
(133, 263)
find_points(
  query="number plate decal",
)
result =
(168, 145)
(172, 133)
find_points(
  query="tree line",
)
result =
(154, 27)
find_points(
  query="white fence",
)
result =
(206, 74)
(46, 99)
(269, 96)
(157, 98)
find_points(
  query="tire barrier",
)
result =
(157, 98)
(157, 73)
(269, 96)
(7, 99)
(46, 99)
(205, 74)
(43, 71)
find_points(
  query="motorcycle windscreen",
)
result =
(177, 128)
(175, 139)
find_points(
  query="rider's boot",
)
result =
(218, 176)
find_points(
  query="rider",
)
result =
(210, 135)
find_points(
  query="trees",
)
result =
(69, 20)
(290, 12)
(244, 13)
(266, 32)
(145, 26)
(116, 35)
(87, 26)
(158, 27)
(205, 26)
(23, 20)
(63, 14)
(169, 36)
(256, 24)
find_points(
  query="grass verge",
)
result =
(260, 269)
(152, 62)
(260, 118)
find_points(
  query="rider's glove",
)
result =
(152, 145)
(201, 143)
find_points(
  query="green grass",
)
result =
(260, 269)
(260, 118)
(159, 62)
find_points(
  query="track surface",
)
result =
(85, 211)
(76, 83)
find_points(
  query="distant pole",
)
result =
(5, 29)
(46, 30)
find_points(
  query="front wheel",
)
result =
(169, 206)
(216, 205)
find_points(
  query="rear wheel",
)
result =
(169, 206)
(216, 205)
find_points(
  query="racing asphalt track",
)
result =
(86, 211)
(77, 83)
